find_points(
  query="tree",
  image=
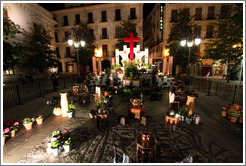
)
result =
(12, 51)
(39, 54)
(124, 31)
(85, 53)
(181, 29)
(227, 44)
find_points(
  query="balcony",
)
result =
(104, 37)
(117, 18)
(65, 24)
(104, 20)
(132, 17)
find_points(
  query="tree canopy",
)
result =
(227, 44)
(124, 31)
(181, 30)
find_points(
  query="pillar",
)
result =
(117, 56)
(113, 61)
(100, 65)
(170, 65)
(164, 65)
(151, 61)
(94, 62)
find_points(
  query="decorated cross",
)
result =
(131, 40)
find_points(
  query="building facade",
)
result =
(26, 15)
(103, 20)
(205, 14)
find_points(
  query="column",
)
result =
(64, 70)
(170, 65)
(100, 65)
(150, 61)
(113, 61)
(164, 65)
(94, 62)
(117, 56)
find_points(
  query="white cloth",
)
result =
(171, 97)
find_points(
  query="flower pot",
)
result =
(28, 126)
(39, 121)
(223, 113)
(4, 140)
(241, 119)
(67, 148)
(70, 114)
(55, 151)
(233, 119)
(53, 139)
(12, 133)
(198, 119)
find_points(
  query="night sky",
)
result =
(56, 6)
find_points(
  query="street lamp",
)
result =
(76, 44)
(189, 44)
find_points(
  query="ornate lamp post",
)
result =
(189, 44)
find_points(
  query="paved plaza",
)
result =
(214, 140)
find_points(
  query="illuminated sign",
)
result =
(161, 16)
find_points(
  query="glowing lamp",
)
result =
(183, 43)
(70, 42)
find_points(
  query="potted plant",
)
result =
(224, 111)
(12, 125)
(92, 113)
(198, 118)
(5, 131)
(56, 134)
(234, 117)
(72, 107)
(189, 119)
(27, 122)
(70, 113)
(55, 147)
(241, 117)
(39, 119)
(67, 145)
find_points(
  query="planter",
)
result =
(28, 126)
(55, 151)
(223, 113)
(233, 119)
(190, 104)
(4, 140)
(241, 119)
(53, 139)
(39, 121)
(67, 148)
(198, 119)
(12, 133)
(70, 114)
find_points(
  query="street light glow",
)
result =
(70, 42)
(234, 46)
(197, 41)
(190, 44)
(183, 43)
(76, 44)
(82, 43)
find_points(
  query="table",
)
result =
(138, 111)
(145, 149)
(172, 119)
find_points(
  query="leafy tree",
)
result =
(227, 44)
(11, 50)
(124, 31)
(39, 54)
(85, 53)
(181, 30)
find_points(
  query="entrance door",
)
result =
(106, 64)
(206, 71)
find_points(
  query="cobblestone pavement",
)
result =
(214, 140)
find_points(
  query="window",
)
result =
(77, 19)
(54, 18)
(91, 32)
(209, 33)
(104, 33)
(90, 17)
(9, 71)
(117, 15)
(57, 52)
(105, 50)
(117, 32)
(65, 21)
(211, 11)
(197, 31)
(56, 37)
(69, 67)
(66, 36)
(186, 13)
(68, 53)
(104, 16)
(174, 14)
(198, 14)
(132, 13)
(224, 12)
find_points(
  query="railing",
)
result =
(21, 93)
(104, 36)
(227, 91)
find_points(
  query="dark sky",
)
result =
(56, 6)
